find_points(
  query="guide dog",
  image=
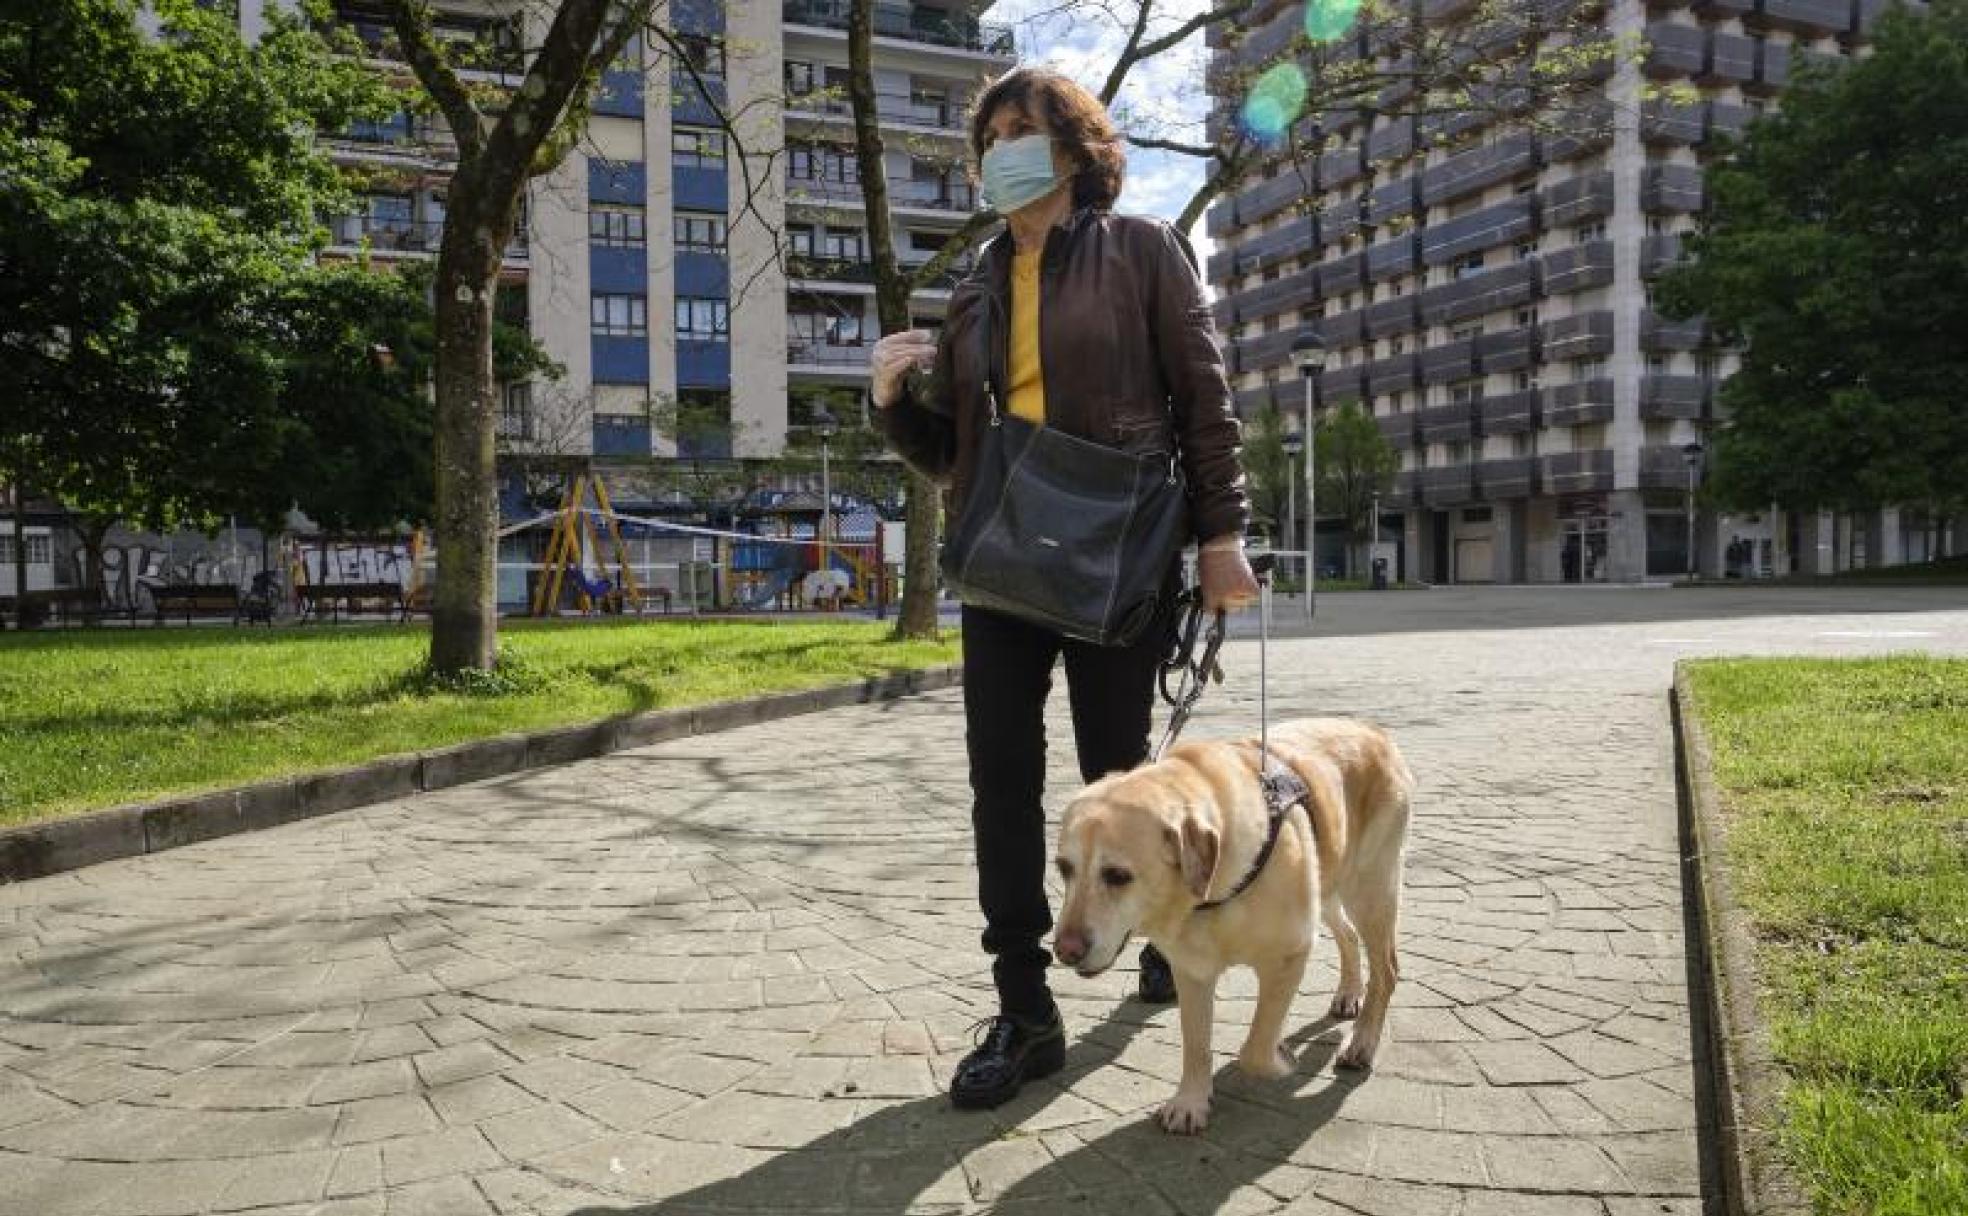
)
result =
(1148, 850)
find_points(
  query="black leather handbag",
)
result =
(1063, 532)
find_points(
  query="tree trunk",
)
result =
(21, 615)
(464, 607)
(916, 617)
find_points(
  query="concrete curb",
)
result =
(40, 849)
(1744, 1081)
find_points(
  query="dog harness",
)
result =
(1283, 788)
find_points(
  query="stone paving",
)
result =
(732, 973)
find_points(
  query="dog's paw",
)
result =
(1272, 1065)
(1185, 1114)
(1345, 1006)
(1358, 1052)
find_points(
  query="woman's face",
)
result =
(1012, 121)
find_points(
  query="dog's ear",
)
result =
(1195, 847)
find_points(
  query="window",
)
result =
(1463, 333)
(1469, 267)
(1595, 231)
(1466, 392)
(1656, 365)
(696, 147)
(619, 316)
(40, 551)
(1588, 369)
(1527, 317)
(699, 230)
(1526, 249)
(821, 162)
(702, 320)
(1527, 381)
(516, 411)
(799, 239)
(799, 78)
(843, 243)
(616, 224)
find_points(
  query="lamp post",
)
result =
(824, 424)
(1308, 354)
(1693, 453)
(1294, 445)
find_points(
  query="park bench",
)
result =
(352, 596)
(194, 599)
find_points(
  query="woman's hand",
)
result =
(894, 357)
(1226, 576)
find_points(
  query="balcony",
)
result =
(1658, 253)
(1814, 18)
(1722, 10)
(1394, 200)
(1675, 50)
(901, 109)
(1343, 274)
(1397, 429)
(1580, 268)
(1586, 472)
(1287, 292)
(486, 45)
(1448, 423)
(1508, 350)
(1510, 413)
(1449, 361)
(1672, 189)
(1342, 384)
(1576, 200)
(1589, 131)
(1578, 404)
(953, 196)
(909, 23)
(1664, 397)
(1261, 252)
(415, 238)
(833, 356)
(1448, 486)
(1772, 67)
(1394, 374)
(1393, 258)
(1668, 122)
(1479, 168)
(836, 269)
(1732, 59)
(1255, 354)
(401, 138)
(1407, 488)
(1657, 333)
(1663, 467)
(1509, 477)
(1504, 287)
(1494, 225)
(1265, 199)
(1389, 318)
(1393, 141)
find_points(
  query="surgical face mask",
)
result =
(1017, 172)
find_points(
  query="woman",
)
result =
(1099, 327)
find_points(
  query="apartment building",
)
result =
(1483, 291)
(705, 292)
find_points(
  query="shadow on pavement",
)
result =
(925, 1154)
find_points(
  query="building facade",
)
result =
(703, 293)
(1483, 292)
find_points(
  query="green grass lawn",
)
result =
(98, 717)
(1845, 795)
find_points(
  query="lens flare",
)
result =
(1275, 102)
(1326, 20)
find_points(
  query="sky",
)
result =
(1163, 96)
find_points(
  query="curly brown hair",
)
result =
(1078, 121)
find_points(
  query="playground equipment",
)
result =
(566, 557)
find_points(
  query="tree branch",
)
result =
(1112, 87)
(1199, 151)
(1138, 51)
(955, 246)
(412, 19)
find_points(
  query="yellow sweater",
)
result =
(1027, 395)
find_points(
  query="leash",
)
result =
(1283, 788)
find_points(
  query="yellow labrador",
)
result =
(1141, 850)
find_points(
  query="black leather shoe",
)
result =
(1010, 1053)
(1157, 983)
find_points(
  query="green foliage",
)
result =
(1837, 249)
(169, 348)
(1354, 462)
(1269, 471)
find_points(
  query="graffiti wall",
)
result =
(134, 561)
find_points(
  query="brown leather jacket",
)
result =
(1126, 347)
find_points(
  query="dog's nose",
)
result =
(1069, 947)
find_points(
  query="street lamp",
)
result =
(824, 424)
(1308, 355)
(1294, 444)
(1693, 453)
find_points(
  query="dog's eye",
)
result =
(1065, 869)
(1114, 876)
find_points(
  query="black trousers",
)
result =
(1007, 676)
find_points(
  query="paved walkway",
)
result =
(731, 974)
